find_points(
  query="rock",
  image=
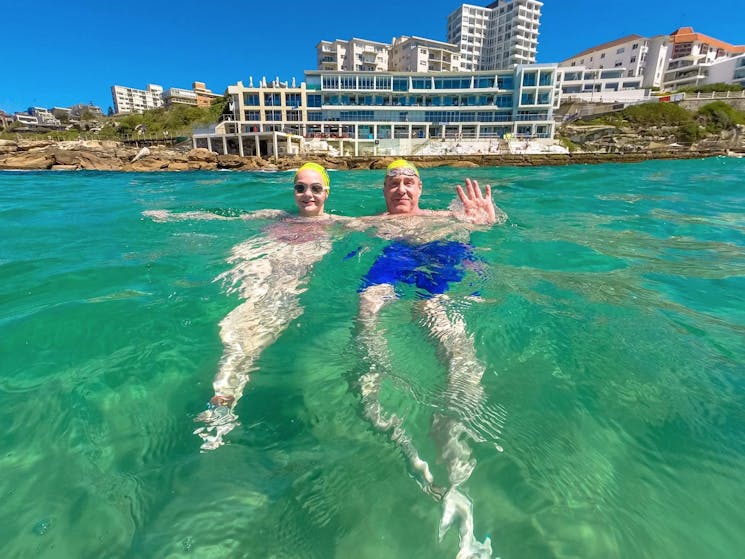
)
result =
(178, 166)
(145, 165)
(64, 167)
(202, 154)
(8, 146)
(27, 160)
(144, 152)
(230, 161)
(66, 157)
(29, 145)
(202, 166)
(99, 162)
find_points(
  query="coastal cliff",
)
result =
(115, 156)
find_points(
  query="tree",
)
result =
(110, 112)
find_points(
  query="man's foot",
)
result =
(219, 420)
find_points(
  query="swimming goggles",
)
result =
(315, 188)
(405, 171)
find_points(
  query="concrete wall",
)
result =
(735, 99)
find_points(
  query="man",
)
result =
(428, 251)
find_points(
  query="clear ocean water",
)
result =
(611, 324)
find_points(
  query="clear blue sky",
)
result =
(62, 53)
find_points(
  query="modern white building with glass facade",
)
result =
(395, 113)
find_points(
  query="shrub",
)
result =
(718, 116)
(657, 114)
(689, 133)
(711, 87)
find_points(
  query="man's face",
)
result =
(402, 193)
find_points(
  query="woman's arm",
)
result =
(167, 215)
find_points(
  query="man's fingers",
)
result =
(461, 194)
(469, 185)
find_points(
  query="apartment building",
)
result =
(204, 95)
(131, 100)
(639, 56)
(355, 55)
(25, 118)
(80, 110)
(691, 56)
(178, 96)
(610, 85)
(44, 117)
(672, 61)
(503, 34)
(387, 112)
(416, 54)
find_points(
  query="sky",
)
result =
(59, 53)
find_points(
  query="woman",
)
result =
(269, 274)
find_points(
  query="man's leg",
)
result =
(464, 397)
(372, 300)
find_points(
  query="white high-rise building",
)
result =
(500, 35)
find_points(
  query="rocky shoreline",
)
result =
(115, 156)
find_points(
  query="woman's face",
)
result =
(310, 193)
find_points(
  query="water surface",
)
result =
(610, 324)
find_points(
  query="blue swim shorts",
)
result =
(431, 267)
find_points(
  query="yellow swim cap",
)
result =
(401, 164)
(319, 169)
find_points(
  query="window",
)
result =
(273, 99)
(602, 56)
(251, 115)
(383, 82)
(621, 50)
(251, 99)
(314, 100)
(400, 84)
(348, 82)
(635, 46)
(505, 82)
(294, 99)
(274, 115)
(330, 82)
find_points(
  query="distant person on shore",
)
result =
(429, 251)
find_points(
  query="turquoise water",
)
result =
(610, 323)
